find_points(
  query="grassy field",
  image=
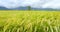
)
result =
(29, 21)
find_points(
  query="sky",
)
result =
(55, 4)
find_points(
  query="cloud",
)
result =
(33, 3)
(52, 4)
(10, 3)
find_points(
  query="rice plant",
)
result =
(29, 21)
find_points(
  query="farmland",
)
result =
(29, 21)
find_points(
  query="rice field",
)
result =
(29, 21)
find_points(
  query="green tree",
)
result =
(29, 7)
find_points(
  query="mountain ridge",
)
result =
(25, 8)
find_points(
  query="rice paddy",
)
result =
(29, 21)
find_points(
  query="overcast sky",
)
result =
(32, 3)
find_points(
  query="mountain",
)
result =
(44, 9)
(20, 8)
(3, 8)
(25, 8)
(17, 8)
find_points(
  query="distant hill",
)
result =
(3, 8)
(20, 8)
(25, 8)
(42, 9)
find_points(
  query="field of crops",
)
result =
(29, 21)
